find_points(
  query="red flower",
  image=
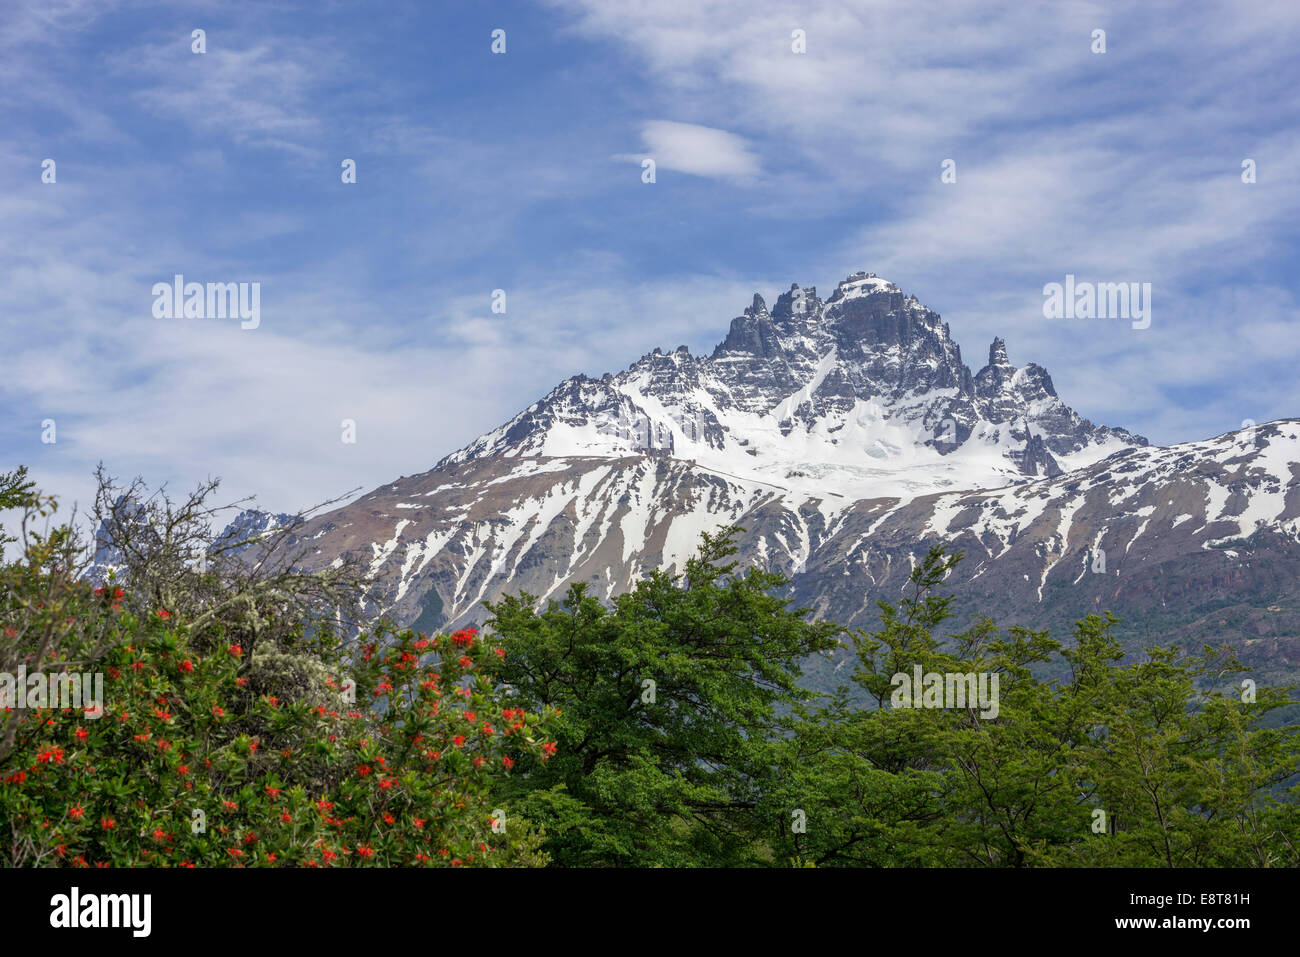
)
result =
(506, 762)
(107, 823)
(466, 662)
(459, 740)
(164, 614)
(82, 734)
(235, 650)
(187, 665)
(76, 811)
(365, 851)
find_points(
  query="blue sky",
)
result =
(522, 171)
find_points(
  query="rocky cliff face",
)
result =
(846, 436)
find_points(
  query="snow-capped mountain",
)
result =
(861, 394)
(249, 527)
(845, 436)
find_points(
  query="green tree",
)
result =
(1145, 763)
(669, 701)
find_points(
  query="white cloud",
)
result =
(698, 150)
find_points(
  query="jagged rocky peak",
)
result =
(797, 302)
(251, 525)
(1000, 378)
(753, 333)
(997, 375)
(998, 352)
(864, 384)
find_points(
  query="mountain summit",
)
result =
(861, 394)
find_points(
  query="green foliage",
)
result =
(1120, 764)
(669, 702)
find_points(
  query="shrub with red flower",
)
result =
(193, 765)
(234, 731)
